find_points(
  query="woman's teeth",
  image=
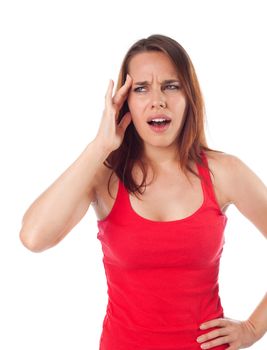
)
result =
(159, 122)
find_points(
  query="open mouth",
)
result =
(164, 122)
(159, 126)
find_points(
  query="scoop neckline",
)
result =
(141, 218)
(168, 221)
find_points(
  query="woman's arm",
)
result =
(59, 208)
(259, 318)
(242, 187)
(249, 194)
(246, 191)
(56, 211)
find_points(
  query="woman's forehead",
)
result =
(148, 66)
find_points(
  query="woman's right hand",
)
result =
(110, 134)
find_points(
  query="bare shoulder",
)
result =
(227, 165)
(243, 188)
(222, 161)
(222, 165)
(234, 175)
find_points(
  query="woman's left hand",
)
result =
(238, 334)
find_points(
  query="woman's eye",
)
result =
(137, 89)
(170, 87)
(175, 86)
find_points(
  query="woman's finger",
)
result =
(213, 334)
(108, 95)
(122, 93)
(215, 342)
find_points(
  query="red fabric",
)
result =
(162, 277)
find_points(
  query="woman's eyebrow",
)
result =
(168, 81)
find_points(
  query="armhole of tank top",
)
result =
(209, 187)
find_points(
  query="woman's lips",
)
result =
(159, 128)
(155, 116)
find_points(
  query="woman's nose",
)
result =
(159, 104)
(159, 101)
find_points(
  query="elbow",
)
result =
(27, 239)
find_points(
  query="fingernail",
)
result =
(204, 346)
(200, 339)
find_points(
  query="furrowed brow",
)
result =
(168, 81)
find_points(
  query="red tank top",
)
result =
(162, 276)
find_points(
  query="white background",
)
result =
(55, 63)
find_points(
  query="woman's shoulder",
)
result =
(223, 167)
(221, 160)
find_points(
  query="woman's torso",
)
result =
(162, 277)
(161, 257)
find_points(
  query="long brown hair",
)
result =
(191, 140)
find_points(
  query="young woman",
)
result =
(160, 195)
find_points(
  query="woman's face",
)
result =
(155, 97)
